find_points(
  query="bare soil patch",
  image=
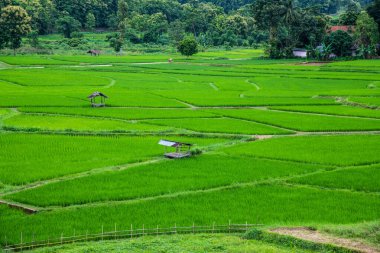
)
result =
(315, 236)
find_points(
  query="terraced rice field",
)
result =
(284, 143)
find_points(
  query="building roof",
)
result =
(345, 28)
(167, 143)
(97, 94)
(299, 50)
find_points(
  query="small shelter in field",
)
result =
(94, 52)
(95, 102)
(179, 149)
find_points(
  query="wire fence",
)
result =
(131, 233)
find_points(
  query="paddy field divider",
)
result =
(129, 234)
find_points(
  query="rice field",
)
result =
(277, 142)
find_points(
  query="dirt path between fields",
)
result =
(316, 236)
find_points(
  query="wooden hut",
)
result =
(182, 150)
(93, 99)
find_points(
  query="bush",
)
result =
(188, 46)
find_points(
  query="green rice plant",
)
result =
(358, 179)
(332, 110)
(302, 121)
(41, 157)
(27, 60)
(220, 125)
(122, 113)
(52, 77)
(369, 101)
(197, 173)
(335, 150)
(265, 204)
(69, 123)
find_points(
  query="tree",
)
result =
(90, 21)
(116, 41)
(366, 33)
(374, 11)
(67, 25)
(340, 42)
(14, 24)
(188, 46)
(122, 10)
(348, 18)
(269, 14)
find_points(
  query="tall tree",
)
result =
(90, 21)
(14, 23)
(67, 25)
(366, 30)
(374, 11)
(269, 14)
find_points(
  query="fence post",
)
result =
(246, 226)
(193, 228)
(6, 241)
(102, 232)
(131, 231)
(143, 230)
(213, 227)
(157, 231)
(175, 228)
(21, 242)
(86, 235)
(229, 226)
(115, 231)
(61, 238)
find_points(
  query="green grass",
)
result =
(176, 243)
(267, 204)
(220, 125)
(334, 150)
(333, 110)
(67, 123)
(42, 157)
(358, 179)
(197, 173)
(301, 121)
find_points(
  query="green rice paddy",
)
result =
(279, 142)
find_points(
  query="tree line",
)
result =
(281, 25)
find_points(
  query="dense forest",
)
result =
(280, 24)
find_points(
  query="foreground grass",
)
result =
(368, 231)
(175, 243)
(298, 205)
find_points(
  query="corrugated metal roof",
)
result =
(172, 143)
(97, 94)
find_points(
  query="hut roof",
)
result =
(97, 94)
(167, 143)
